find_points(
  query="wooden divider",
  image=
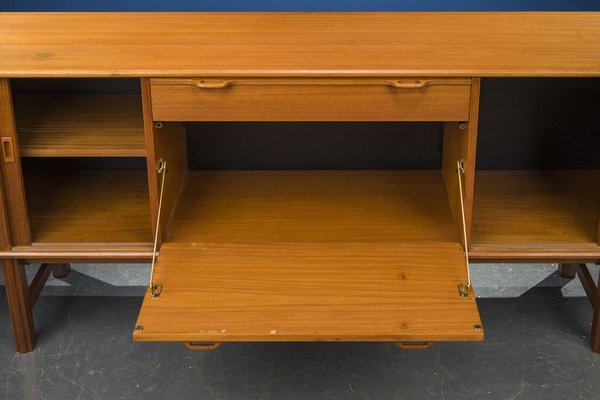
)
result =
(166, 141)
(460, 144)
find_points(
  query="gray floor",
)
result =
(536, 347)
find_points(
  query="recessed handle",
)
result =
(202, 346)
(212, 84)
(8, 152)
(414, 345)
(409, 84)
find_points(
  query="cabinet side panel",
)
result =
(167, 142)
(460, 144)
(12, 177)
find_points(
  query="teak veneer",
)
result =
(79, 206)
(80, 125)
(283, 255)
(313, 206)
(460, 44)
(339, 291)
(529, 213)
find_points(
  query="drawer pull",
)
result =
(8, 153)
(414, 345)
(220, 84)
(202, 346)
(402, 84)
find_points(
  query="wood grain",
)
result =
(536, 212)
(461, 144)
(12, 179)
(313, 206)
(82, 252)
(567, 270)
(167, 143)
(78, 206)
(418, 99)
(300, 44)
(309, 292)
(5, 242)
(80, 125)
(38, 282)
(19, 305)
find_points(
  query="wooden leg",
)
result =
(595, 335)
(61, 270)
(567, 271)
(592, 289)
(19, 305)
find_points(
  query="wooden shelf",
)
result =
(80, 206)
(313, 206)
(80, 125)
(532, 213)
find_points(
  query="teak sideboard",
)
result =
(282, 255)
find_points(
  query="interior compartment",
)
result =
(358, 244)
(78, 118)
(537, 186)
(82, 149)
(84, 201)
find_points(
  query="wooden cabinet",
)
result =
(94, 174)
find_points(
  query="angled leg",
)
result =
(567, 271)
(592, 289)
(19, 305)
(61, 270)
(595, 335)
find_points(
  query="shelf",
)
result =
(80, 125)
(80, 206)
(313, 206)
(530, 213)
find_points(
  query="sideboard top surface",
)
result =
(299, 44)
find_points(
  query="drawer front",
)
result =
(325, 99)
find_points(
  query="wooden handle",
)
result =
(8, 153)
(414, 346)
(404, 84)
(212, 84)
(202, 346)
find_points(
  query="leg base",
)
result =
(61, 270)
(19, 305)
(567, 271)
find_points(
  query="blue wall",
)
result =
(296, 5)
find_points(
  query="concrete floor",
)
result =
(536, 347)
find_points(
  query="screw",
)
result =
(158, 125)
(462, 125)
(139, 328)
(477, 327)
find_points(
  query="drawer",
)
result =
(324, 99)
